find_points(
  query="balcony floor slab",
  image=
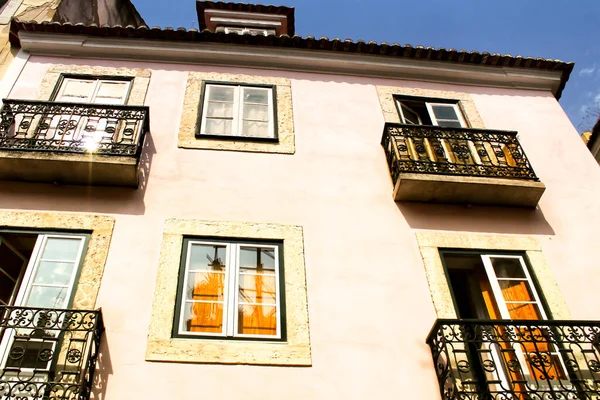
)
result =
(430, 188)
(67, 168)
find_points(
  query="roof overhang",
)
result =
(293, 54)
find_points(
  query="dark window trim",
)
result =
(225, 240)
(86, 234)
(274, 139)
(63, 76)
(523, 254)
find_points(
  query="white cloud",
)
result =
(587, 71)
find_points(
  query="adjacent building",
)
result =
(239, 212)
(99, 12)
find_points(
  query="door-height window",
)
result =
(414, 111)
(238, 110)
(37, 275)
(230, 289)
(501, 287)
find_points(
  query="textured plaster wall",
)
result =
(369, 301)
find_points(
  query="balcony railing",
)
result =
(48, 353)
(113, 130)
(454, 151)
(516, 360)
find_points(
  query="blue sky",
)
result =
(568, 30)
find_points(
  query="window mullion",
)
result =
(232, 271)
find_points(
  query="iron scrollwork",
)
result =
(516, 359)
(113, 130)
(48, 354)
(454, 151)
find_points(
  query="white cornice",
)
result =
(81, 46)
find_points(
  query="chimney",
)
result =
(243, 18)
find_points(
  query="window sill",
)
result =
(201, 136)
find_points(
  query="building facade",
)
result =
(260, 215)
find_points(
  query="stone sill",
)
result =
(467, 190)
(66, 168)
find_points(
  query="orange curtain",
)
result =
(207, 316)
(258, 318)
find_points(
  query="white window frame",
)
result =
(505, 315)
(236, 121)
(434, 120)
(231, 289)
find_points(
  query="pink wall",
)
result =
(369, 303)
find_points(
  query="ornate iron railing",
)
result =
(454, 151)
(48, 354)
(516, 360)
(73, 127)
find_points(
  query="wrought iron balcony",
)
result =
(48, 353)
(443, 164)
(514, 360)
(104, 135)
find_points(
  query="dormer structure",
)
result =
(244, 18)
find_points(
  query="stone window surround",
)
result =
(430, 244)
(465, 102)
(137, 94)
(190, 119)
(100, 228)
(295, 351)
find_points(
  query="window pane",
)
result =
(10, 263)
(257, 289)
(255, 129)
(220, 93)
(61, 249)
(205, 286)
(257, 260)
(54, 273)
(206, 257)
(516, 290)
(111, 92)
(410, 117)
(256, 112)
(47, 297)
(451, 124)
(203, 317)
(77, 90)
(221, 110)
(260, 96)
(444, 112)
(257, 320)
(508, 267)
(218, 126)
(523, 311)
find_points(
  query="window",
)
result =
(230, 289)
(491, 286)
(93, 90)
(245, 30)
(238, 110)
(37, 271)
(90, 132)
(429, 112)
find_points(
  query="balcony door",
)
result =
(90, 131)
(38, 273)
(500, 287)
